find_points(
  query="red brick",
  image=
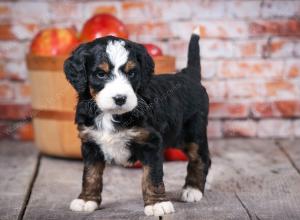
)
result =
(250, 68)
(176, 47)
(214, 129)
(138, 12)
(281, 89)
(129, 5)
(209, 69)
(216, 48)
(262, 109)
(292, 68)
(30, 12)
(249, 48)
(239, 128)
(275, 27)
(6, 91)
(5, 11)
(2, 71)
(208, 9)
(223, 29)
(91, 8)
(15, 70)
(279, 47)
(243, 9)
(216, 90)
(150, 30)
(242, 88)
(106, 9)
(279, 128)
(23, 92)
(24, 131)
(25, 31)
(63, 11)
(176, 10)
(182, 29)
(13, 50)
(283, 8)
(14, 111)
(287, 108)
(228, 110)
(6, 33)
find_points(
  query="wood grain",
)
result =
(59, 182)
(249, 179)
(291, 149)
(17, 167)
(261, 176)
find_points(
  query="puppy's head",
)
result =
(111, 70)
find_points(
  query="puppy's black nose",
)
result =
(120, 99)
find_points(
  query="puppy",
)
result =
(125, 114)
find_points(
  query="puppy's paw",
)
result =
(79, 205)
(159, 209)
(190, 194)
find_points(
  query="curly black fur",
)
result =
(172, 108)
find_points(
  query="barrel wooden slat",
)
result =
(57, 138)
(51, 91)
(47, 63)
(54, 100)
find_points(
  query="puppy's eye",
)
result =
(131, 74)
(101, 75)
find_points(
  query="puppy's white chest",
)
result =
(114, 144)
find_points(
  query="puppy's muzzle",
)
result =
(120, 99)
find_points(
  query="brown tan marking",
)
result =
(93, 92)
(195, 169)
(92, 182)
(104, 66)
(151, 193)
(192, 151)
(129, 66)
(143, 135)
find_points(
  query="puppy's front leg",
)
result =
(153, 187)
(90, 196)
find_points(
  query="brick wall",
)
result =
(250, 55)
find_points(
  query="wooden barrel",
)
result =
(53, 104)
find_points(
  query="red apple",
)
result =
(173, 154)
(153, 50)
(102, 25)
(54, 41)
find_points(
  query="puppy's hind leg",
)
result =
(197, 169)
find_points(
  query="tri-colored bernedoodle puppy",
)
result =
(125, 114)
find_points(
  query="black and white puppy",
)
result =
(125, 114)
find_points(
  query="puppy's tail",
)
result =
(193, 64)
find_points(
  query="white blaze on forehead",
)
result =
(118, 84)
(117, 53)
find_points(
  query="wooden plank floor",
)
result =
(249, 179)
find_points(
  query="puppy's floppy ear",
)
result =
(75, 70)
(146, 62)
